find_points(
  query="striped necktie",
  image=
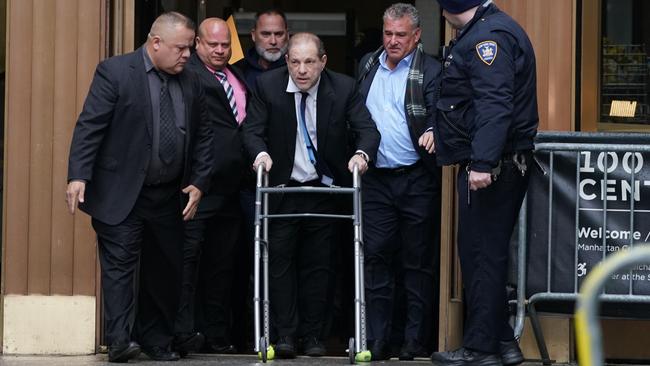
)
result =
(230, 93)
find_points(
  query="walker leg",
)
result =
(263, 353)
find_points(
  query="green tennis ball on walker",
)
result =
(363, 356)
(270, 353)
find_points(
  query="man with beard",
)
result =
(270, 36)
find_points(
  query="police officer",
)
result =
(487, 119)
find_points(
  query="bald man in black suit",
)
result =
(139, 163)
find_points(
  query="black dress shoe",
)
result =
(313, 347)
(511, 353)
(410, 350)
(160, 353)
(285, 347)
(123, 352)
(465, 357)
(185, 343)
(380, 350)
(219, 348)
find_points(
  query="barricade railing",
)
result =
(606, 184)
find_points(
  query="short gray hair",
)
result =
(400, 10)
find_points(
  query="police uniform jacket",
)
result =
(488, 104)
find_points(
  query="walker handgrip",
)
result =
(355, 176)
(261, 168)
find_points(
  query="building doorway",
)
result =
(360, 33)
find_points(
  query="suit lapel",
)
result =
(188, 100)
(141, 81)
(367, 81)
(292, 121)
(323, 108)
(210, 79)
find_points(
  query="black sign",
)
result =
(585, 205)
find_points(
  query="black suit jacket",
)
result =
(229, 166)
(340, 115)
(431, 73)
(111, 145)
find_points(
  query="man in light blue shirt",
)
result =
(401, 198)
(385, 101)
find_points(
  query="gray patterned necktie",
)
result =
(167, 135)
(223, 79)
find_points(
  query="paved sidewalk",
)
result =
(199, 360)
(194, 360)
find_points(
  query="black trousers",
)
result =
(401, 215)
(484, 229)
(242, 295)
(152, 234)
(300, 264)
(208, 268)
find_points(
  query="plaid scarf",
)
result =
(416, 109)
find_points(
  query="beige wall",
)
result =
(51, 51)
(550, 24)
(3, 34)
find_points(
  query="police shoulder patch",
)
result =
(487, 51)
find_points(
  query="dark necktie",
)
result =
(230, 93)
(167, 135)
(322, 169)
(311, 150)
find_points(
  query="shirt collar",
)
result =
(148, 64)
(293, 88)
(406, 61)
(212, 69)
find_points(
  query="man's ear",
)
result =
(155, 42)
(418, 33)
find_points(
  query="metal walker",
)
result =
(357, 351)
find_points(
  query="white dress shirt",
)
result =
(303, 169)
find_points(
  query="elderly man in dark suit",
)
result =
(139, 161)
(401, 200)
(299, 122)
(210, 238)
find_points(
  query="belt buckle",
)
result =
(401, 170)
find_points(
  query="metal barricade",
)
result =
(548, 147)
(357, 351)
